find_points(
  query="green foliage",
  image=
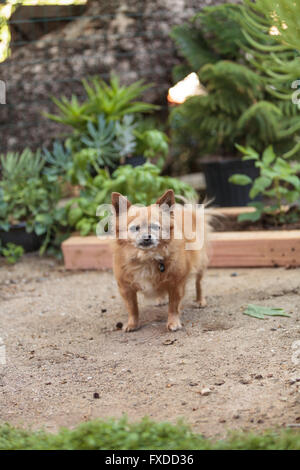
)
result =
(17, 167)
(278, 181)
(143, 435)
(28, 194)
(202, 42)
(58, 161)
(125, 143)
(244, 104)
(112, 100)
(274, 56)
(12, 252)
(96, 146)
(258, 311)
(103, 146)
(142, 184)
(107, 128)
(153, 144)
(284, 14)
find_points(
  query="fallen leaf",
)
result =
(258, 311)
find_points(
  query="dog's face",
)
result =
(144, 227)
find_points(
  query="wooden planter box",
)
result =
(228, 249)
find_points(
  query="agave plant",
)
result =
(101, 140)
(112, 100)
(21, 166)
(59, 160)
(125, 143)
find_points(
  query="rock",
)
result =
(245, 381)
(205, 391)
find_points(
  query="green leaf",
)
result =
(250, 153)
(260, 184)
(39, 229)
(240, 179)
(269, 155)
(258, 311)
(12, 252)
(74, 215)
(5, 226)
(250, 216)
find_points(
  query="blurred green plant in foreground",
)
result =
(146, 434)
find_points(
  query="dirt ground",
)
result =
(66, 361)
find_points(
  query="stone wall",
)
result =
(132, 40)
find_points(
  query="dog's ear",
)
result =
(168, 198)
(120, 203)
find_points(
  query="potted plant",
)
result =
(278, 183)
(239, 106)
(28, 201)
(267, 233)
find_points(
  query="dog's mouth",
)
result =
(146, 244)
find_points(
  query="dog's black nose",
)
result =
(146, 237)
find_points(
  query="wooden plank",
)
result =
(257, 235)
(228, 249)
(87, 253)
(234, 211)
(255, 249)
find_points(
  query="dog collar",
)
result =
(161, 266)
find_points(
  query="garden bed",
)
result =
(248, 248)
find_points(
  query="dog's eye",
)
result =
(154, 226)
(134, 228)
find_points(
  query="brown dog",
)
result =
(152, 254)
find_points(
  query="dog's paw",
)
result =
(131, 327)
(174, 325)
(200, 303)
(160, 302)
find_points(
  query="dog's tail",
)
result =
(212, 215)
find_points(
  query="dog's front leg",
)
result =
(175, 297)
(130, 298)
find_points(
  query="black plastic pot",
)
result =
(18, 235)
(135, 160)
(218, 188)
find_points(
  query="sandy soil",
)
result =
(63, 350)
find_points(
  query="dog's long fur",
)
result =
(162, 268)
